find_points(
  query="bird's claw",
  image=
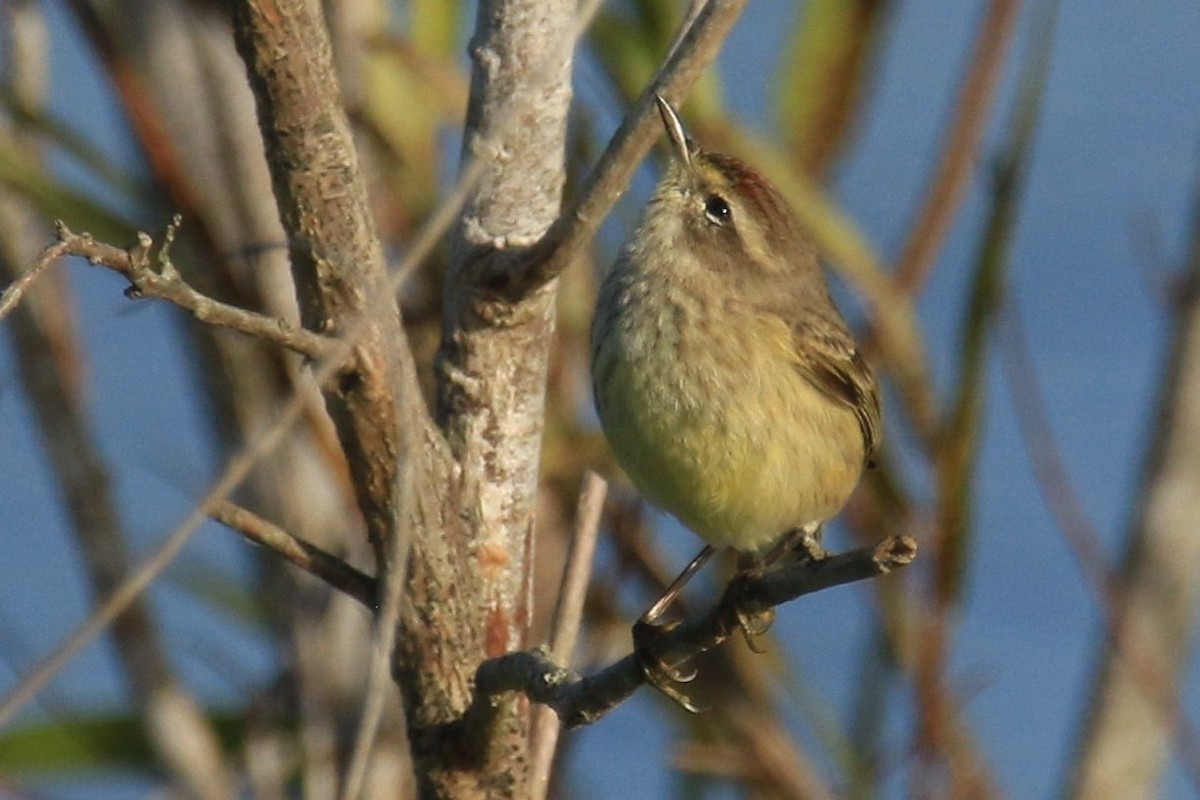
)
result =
(754, 625)
(659, 674)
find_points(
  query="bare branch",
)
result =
(337, 258)
(148, 570)
(581, 701)
(379, 677)
(308, 557)
(577, 573)
(138, 267)
(493, 419)
(16, 290)
(48, 356)
(236, 470)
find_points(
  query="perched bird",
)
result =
(726, 381)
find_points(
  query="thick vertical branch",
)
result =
(381, 418)
(336, 257)
(494, 353)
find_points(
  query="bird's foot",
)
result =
(808, 542)
(753, 623)
(647, 646)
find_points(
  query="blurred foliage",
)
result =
(50, 197)
(630, 41)
(823, 75)
(72, 744)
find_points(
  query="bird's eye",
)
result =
(716, 209)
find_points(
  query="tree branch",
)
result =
(15, 291)
(432, 470)
(308, 557)
(48, 360)
(567, 617)
(583, 700)
(337, 259)
(157, 277)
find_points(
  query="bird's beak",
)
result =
(680, 143)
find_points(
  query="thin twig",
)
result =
(16, 290)
(620, 160)
(308, 557)
(959, 155)
(138, 267)
(48, 355)
(581, 701)
(567, 616)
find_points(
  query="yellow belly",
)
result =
(718, 426)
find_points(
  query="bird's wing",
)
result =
(828, 357)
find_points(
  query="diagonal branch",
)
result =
(337, 258)
(308, 557)
(48, 357)
(239, 466)
(583, 700)
(15, 291)
(568, 614)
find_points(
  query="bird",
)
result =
(726, 381)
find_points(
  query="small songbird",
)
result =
(726, 381)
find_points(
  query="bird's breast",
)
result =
(707, 411)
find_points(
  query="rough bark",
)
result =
(183, 86)
(383, 424)
(337, 261)
(494, 353)
(471, 522)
